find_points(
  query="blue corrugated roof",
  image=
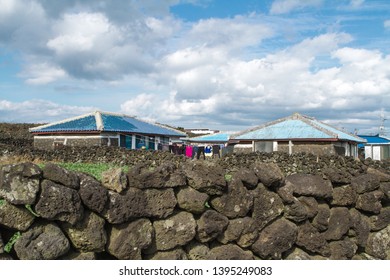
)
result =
(375, 139)
(216, 137)
(295, 127)
(107, 122)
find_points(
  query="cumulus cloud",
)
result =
(286, 6)
(42, 73)
(38, 111)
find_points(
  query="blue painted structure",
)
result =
(377, 147)
(221, 138)
(297, 129)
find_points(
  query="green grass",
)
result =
(11, 242)
(94, 169)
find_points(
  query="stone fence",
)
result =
(196, 210)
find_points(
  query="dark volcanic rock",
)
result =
(365, 183)
(89, 234)
(370, 202)
(230, 252)
(205, 177)
(360, 227)
(311, 240)
(79, 256)
(19, 184)
(197, 251)
(191, 200)
(296, 211)
(237, 202)
(42, 242)
(269, 174)
(93, 195)
(15, 217)
(339, 223)
(248, 177)
(321, 220)
(159, 203)
(175, 254)
(174, 231)
(378, 244)
(338, 176)
(385, 188)
(275, 239)
(128, 240)
(311, 205)
(342, 250)
(210, 225)
(381, 221)
(344, 196)
(57, 202)
(267, 206)
(311, 185)
(61, 176)
(114, 179)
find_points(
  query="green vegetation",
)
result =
(28, 207)
(2, 201)
(11, 242)
(228, 177)
(94, 169)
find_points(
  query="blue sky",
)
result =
(225, 65)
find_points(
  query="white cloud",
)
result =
(286, 6)
(42, 73)
(38, 111)
(139, 106)
(356, 3)
(386, 24)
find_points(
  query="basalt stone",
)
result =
(269, 174)
(378, 244)
(1, 245)
(61, 176)
(298, 254)
(380, 221)
(191, 200)
(370, 202)
(275, 239)
(237, 202)
(80, 256)
(165, 175)
(248, 177)
(311, 240)
(338, 176)
(175, 254)
(127, 241)
(382, 175)
(296, 211)
(19, 184)
(121, 208)
(93, 195)
(385, 188)
(286, 192)
(159, 203)
(344, 196)
(210, 225)
(311, 205)
(267, 206)
(339, 223)
(89, 234)
(5, 257)
(321, 220)
(233, 231)
(230, 252)
(57, 202)
(197, 251)
(15, 217)
(360, 227)
(42, 242)
(206, 177)
(365, 183)
(342, 249)
(174, 231)
(249, 233)
(310, 185)
(114, 179)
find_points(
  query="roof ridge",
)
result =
(311, 122)
(62, 121)
(99, 121)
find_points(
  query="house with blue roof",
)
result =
(104, 129)
(298, 133)
(377, 147)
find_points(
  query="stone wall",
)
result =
(198, 210)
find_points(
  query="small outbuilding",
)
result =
(299, 133)
(376, 148)
(104, 129)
